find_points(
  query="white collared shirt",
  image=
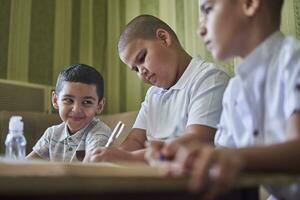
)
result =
(262, 96)
(196, 98)
(57, 144)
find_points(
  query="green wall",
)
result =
(39, 37)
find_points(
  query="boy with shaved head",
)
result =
(184, 102)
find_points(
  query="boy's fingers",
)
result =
(97, 150)
(96, 158)
(223, 177)
(154, 144)
(170, 149)
(153, 151)
(201, 169)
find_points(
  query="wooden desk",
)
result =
(96, 181)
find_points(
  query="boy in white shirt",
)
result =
(78, 96)
(260, 121)
(184, 102)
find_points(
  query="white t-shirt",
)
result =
(57, 144)
(261, 97)
(196, 98)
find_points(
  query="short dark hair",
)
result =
(275, 7)
(142, 27)
(81, 73)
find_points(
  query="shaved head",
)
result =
(142, 27)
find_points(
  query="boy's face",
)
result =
(222, 27)
(153, 60)
(77, 104)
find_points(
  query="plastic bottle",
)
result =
(15, 142)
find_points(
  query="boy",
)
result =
(260, 122)
(184, 102)
(78, 96)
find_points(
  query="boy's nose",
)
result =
(201, 31)
(76, 107)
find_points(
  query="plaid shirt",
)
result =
(58, 145)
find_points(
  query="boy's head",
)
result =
(235, 27)
(81, 73)
(143, 27)
(78, 95)
(151, 48)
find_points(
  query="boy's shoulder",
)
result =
(289, 53)
(205, 67)
(290, 46)
(202, 70)
(57, 127)
(101, 126)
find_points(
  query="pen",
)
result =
(115, 134)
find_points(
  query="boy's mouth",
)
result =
(76, 118)
(151, 79)
(208, 44)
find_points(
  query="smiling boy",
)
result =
(78, 96)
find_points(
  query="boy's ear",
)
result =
(54, 100)
(250, 7)
(163, 35)
(101, 105)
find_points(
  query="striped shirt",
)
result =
(58, 145)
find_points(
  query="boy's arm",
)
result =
(222, 166)
(33, 156)
(199, 133)
(132, 149)
(135, 140)
(193, 133)
(279, 157)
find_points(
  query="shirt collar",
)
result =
(76, 137)
(186, 76)
(261, 54)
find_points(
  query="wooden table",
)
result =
(105, 181)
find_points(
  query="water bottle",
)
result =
(15, 143)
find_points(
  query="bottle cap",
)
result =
(16, 123)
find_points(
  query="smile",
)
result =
(76, 118)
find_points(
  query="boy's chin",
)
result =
(221, 56)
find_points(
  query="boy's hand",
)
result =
(213, 171)
(159, 151)
(153, 151)
(109, 154)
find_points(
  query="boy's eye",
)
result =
(141, 57)
(67, 101)
(135, 69)
(207, 9)
(87, 102)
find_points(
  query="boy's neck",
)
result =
(259, 29)
(257, 37)
(184, 61)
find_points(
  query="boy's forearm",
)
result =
(282, 157)
(195, 137)
(33, 156)
(131, 145)
(139, 155)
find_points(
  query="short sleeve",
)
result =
(141, 119)
(223, 137)
(292, 80)
(206, 98)
(97, 137)
(42, 145)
